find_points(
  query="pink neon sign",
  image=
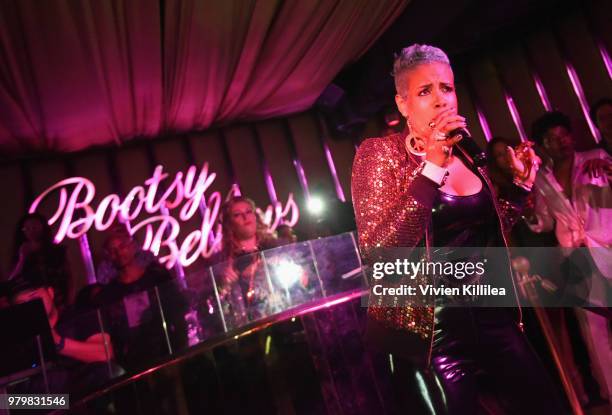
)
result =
(75, 214)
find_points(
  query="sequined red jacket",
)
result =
(393, 205)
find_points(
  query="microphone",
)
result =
(468, 147)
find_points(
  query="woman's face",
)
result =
(500, 155)
(32, 230)
(430, 89)
(242, 220)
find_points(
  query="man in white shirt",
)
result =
(573, 194)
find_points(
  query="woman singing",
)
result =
(418, 188)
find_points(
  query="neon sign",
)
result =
(75, 214)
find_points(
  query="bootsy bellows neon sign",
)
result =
(76, 215)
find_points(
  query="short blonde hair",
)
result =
(413, 56)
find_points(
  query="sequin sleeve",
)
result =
(392, 202)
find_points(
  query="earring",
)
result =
(414, 144)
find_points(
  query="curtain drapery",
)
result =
(88, 72)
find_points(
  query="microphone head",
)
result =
(469, 147)
(459, 131)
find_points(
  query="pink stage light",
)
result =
(541, 92)
(515, 116)
(483, 123)
(481, 117)
(302, 177)
(577, 86)
(334, 173)
(603, 51)
(87, 259)
(270, 186)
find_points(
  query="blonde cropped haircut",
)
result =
(411, 57)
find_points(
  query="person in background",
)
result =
(573, 197)
(498, 164)
(245, 291)
(107, 272)
(86, 298)
(243, 229)
(132, 307)
(500, 172)
(37, 256)
(86, 353)
(601, 114)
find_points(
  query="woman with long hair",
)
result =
(244, 289)
(498, 163)
(243, 229)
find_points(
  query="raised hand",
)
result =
(524, 163)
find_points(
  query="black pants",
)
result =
(477, 353)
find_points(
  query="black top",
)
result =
(465, 220)
(154, 275)
(77, 325)
(132, 317)
(49, 264)
(470, 223)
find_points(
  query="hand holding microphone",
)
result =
(443, 134)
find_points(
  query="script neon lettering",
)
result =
(75, 214)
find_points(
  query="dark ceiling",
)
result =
(461, 28)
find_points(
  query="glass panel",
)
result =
(338, 263)
(204, 318)
(293, 274)
(141, 324)
(245, 290)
